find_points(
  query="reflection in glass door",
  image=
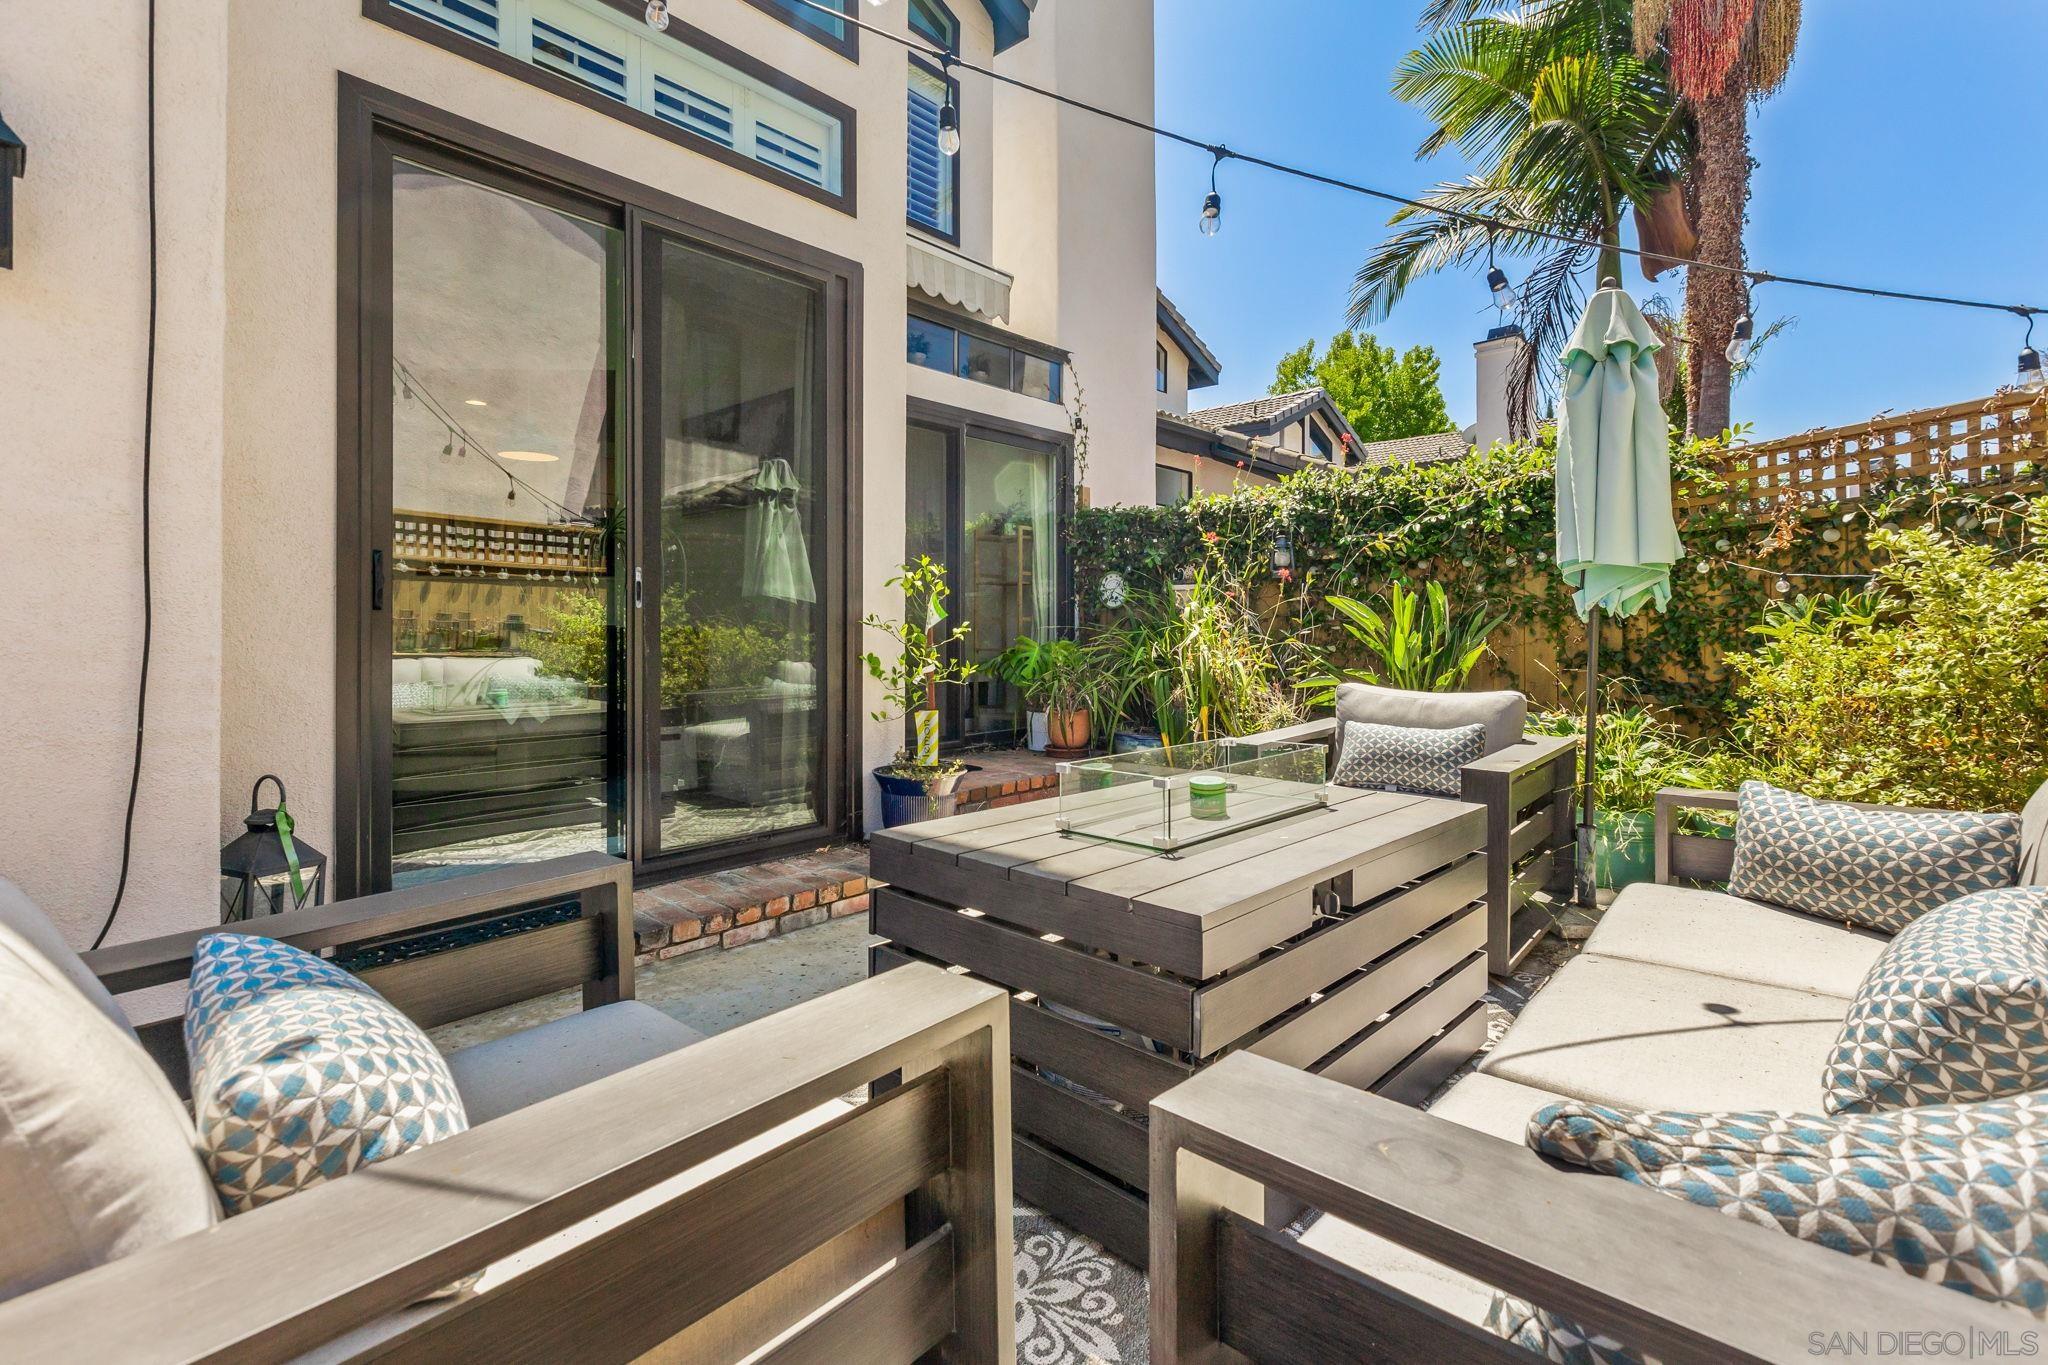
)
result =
(734, 615)
(987, 508)
(504, 693)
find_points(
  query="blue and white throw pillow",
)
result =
(1407, 758)
(1881, 869)
(1954, 1010)
(301, 1073)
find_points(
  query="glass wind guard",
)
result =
(1172, 798)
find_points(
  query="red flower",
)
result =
(1286, 575)
(1211, 537)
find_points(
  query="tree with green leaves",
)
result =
(1566, 128)
(1384, 394)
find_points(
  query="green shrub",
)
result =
(1418, 644)
(696, 656)
(1932, 691)
(1196, 663)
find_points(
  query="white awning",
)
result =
(963, 282)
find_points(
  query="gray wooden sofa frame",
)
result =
(1247, 1136)
(878, 1234)
(1531, 805)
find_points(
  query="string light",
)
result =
(1212, 220)
(657, 14)
(2032, 379)
(949, 128)
(1504, 296)
(1740, 344)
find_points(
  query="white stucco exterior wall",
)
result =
(73, 332)
(1075, 207)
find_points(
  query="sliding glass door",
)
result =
(986, 505)
(496, 576)
(601, 485)
(731, 604)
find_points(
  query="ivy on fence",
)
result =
(1484, 527)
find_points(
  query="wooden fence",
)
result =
(1993, 440)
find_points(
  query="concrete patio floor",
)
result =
(710, 992)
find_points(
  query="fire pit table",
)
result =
(1173, 907)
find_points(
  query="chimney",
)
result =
(1494, 359)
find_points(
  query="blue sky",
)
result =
(1905, 151)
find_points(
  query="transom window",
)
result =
(936, 345)
(624, 60)
(932, 21)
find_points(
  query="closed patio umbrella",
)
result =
(1616, 537)
(778, 557)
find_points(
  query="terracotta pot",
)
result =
(1067, 729)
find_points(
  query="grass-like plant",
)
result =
(1418, 643)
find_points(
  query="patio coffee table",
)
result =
(1348, 939)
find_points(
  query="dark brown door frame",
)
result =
(371, 120)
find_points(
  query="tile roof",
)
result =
(1280, 407)
(1431, 449)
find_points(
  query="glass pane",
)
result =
(810, 17)
(985, 362)
(741, 626)
(932, 174)
(933, 20)
(1038, 378)
(1009, 544)
(1172, 486)
(931, 345)
(505, 344)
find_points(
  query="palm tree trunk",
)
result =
(1714, 299)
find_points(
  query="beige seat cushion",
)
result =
(97, 1156)
(510, 1073)
(1487, 1104)
(1640, 1036)
(19, 913)
(1502, 713)
(1724, 935)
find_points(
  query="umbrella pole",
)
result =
(1586, 892)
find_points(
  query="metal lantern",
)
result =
(266, 869)
(1283, 552)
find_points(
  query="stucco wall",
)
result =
(73, 328)
(1211, 476)
(244, 678)
(1075, 207)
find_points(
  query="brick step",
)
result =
(745, 905)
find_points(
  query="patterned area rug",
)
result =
(1076, 1303)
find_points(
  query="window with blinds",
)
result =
(603, 50)
(933, 176)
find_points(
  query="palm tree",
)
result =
(1567, 128)
(1720, 54)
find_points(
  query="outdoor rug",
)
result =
(1076, 1303)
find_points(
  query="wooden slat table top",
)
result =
(1208, 884)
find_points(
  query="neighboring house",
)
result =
(1304, 424)
(1442, 445)
(1194, 454)
(531, 434)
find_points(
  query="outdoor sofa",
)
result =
(627, 1189)
(1685, 998)
(1525, 781)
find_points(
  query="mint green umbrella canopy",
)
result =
(1616, 539)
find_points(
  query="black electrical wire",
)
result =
(148, 446)
(1222, 153)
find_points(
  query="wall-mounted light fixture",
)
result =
(13, 165)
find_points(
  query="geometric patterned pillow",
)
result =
(1955, 1009)
(1406, 758)
(1880, 869)
(301, 1073)
(1956, 1194)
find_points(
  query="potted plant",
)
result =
(1638, 755)
(1054, 680)
(919, 785)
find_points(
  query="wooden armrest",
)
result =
(151, 962)
(1322, 731)
(292, 1276)
(1668, 1279)
(1532, 752)
(1688, 857)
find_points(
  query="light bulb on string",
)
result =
(657, 14)
(949, 128)
(1784, 587)
(1211, 221)
(1740, 344)
(2032, 378)
(1504, 296)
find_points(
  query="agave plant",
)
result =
(1419, 644)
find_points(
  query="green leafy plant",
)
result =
(1929, 691)
(696, 655)
(1194, 662)
(924, 660)
(1049, 675)
(1419, 644)
(1383, 393)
